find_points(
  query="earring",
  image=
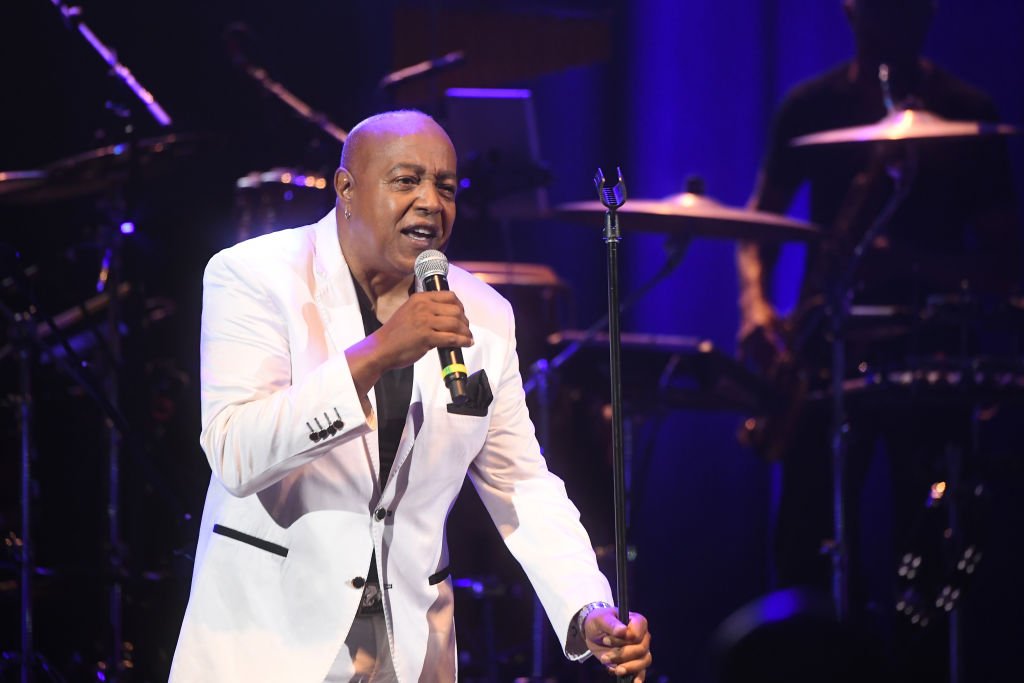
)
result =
(348, 212)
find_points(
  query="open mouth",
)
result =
(421, 233)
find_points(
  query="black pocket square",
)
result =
(478, 389)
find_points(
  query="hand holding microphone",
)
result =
(432, 274)
(433, 319)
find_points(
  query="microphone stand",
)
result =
(539, 380)
(613, 198)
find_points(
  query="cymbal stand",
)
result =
(73, 17)
(840, 296)
(22, 327)
(111, 272)
(232, 39)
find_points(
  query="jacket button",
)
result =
(323, 434)
(358, 582)
(380, 514)
(314, 437)
(338, 424)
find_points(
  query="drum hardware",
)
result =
(422, 68)
(693, 214)
(909, 127)
(36, 335)
(689, 373)
(532, 287)
(902, 125)
(905, 124)
(16, 182)
(281, 197)
(107, 168)
(234, 35)
(935, 577)
(73, 17)
(938, 379)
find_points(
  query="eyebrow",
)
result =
(420, 170)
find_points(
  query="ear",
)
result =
(343, 183)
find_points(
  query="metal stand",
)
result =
(21, 328)
(613, 198)
(839, 309)
(232, 38)
(110, 276)
(540, 381)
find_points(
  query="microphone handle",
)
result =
(453, 367)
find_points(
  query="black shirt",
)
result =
(393, 392)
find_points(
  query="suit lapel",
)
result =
(336, 301)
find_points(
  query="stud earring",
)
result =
(348, 212)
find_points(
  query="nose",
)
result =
(428, 199)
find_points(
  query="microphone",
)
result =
(432, 273)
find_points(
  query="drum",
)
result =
(540, 299)
(282, 197)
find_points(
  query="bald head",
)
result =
(390, 123)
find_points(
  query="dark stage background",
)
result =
(665, 89)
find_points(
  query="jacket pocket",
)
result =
(439, 576)
(250, 540)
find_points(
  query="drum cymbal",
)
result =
(95, 170)
(694, 215)
(908, 124)
(14, 182)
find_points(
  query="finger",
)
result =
(443, 297)
(634, 633)
(609, 625)
(627, 653)
(450, 334)
(606, 642)
(637, 628)
(635, 667)
(448, 315)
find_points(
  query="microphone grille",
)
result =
(431, 262)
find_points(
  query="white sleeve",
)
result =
(254, 417)
(528, 504)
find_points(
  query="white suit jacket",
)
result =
(290, 523)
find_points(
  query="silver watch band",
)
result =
(581, 616)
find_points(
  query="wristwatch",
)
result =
(581, 617)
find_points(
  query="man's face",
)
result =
(402, 198)
(892, 29)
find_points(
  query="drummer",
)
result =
(956, 226)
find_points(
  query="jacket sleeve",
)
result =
(529, 505)
(254, 416)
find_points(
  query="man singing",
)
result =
(336, 458)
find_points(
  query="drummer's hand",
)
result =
(623, 650)
(760, 341)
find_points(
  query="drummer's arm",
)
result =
(777, 183)
(758, 337)
(755, 265)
